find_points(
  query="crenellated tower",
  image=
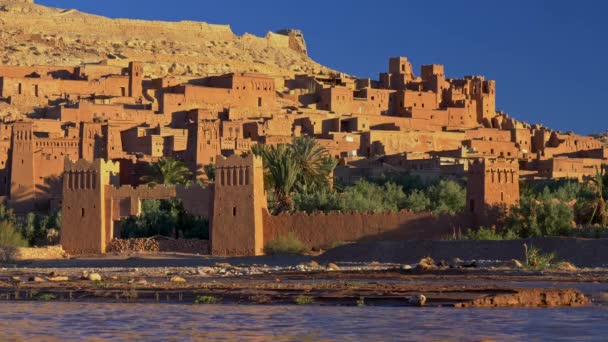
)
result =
(239, 201)
(85, 213)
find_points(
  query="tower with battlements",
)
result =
(239, 201)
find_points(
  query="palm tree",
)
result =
(315, 163)
(600, 207)
(302, 166)
(168, 171)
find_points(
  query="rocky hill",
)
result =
(37, 35)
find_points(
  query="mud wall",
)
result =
(323, 229)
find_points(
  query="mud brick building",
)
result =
(117, 112)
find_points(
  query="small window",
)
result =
(259, 102)
(234, 211)
(82, 212)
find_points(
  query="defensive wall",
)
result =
(323, 229)
(236, 206)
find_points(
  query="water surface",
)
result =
(173, 322)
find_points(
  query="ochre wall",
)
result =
(323, 229)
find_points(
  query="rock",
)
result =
(516, 264)
(142, 282)
(177, 279)
(16, 279)
(443, 263)
(426, 264)
(313, 263)
(417, 300)
(223, 265)
(58, 279)
(37, 279)
(566, 266)
(94, 277)
(332, 267)
(406, 267)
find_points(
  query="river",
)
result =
(33, 321)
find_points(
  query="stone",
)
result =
(417, 300)
(223, 265)
(565, 266)
(58, 279)
(426, 264)
(16, 279)
(94, 277)
(406, 267)
(333, 267)
(313, 263)
(142, 282)
(36, 279)
(177, 279)
(516, 264)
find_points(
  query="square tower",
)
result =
(85, 212)
(239, 201)
(492, 188)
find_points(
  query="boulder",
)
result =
(58, 279)
(417, 300)
(426, 264)
(94, 277)
(177, 279)
(333, 267)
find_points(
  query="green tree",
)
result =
(165, 218)
(367, 196)
(301, 166)
(417, 200)
(600, 205)
(10, 236)
(447, 197)
(541, 215)
(168, 171)
(321, 200)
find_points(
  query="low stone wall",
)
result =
(580, 252)
(26, 253)
(152, 245)
(323, 229)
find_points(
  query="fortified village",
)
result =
(79, 138)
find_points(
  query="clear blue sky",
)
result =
(548, 57)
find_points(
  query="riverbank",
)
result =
(466, 284)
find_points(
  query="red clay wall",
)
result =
(323, 229)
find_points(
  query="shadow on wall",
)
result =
(580, 252)
(324, 229)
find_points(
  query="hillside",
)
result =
(37, 35)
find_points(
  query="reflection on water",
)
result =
(166, 322)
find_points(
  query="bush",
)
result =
(165, 218)
(489, 234)
(537, 260)
(10, 235)
(288, 244)
(447, 197)
(323, 200)
(541, 215)
(366, 196)
(36, 227)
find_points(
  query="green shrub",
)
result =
(366, 196)
(323, 200)
(447, 197)
(537, 260)
(164, 217)
(541, 215)
(288, 244)
(489, 234)
(10, 235)
(206, 300)
(303, 300)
